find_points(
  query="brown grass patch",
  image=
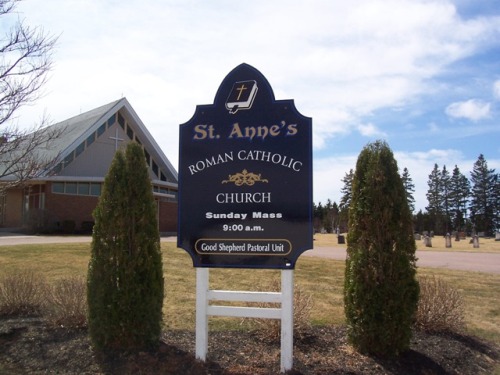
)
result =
(486, 245)
(323, 279)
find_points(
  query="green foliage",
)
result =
(460, 191)
(409, 188)
(381, 291)
(483, 205)
(125, 276)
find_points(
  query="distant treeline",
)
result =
(455, 203)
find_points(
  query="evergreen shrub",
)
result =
(125, 276)
(381, 291)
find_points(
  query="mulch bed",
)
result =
(29, 346)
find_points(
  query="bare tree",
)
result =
(25, 60)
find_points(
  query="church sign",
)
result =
(245, 178)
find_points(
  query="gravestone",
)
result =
(475, 242)
(418, 237)
(448, 241)
(497, 236)
(427, 241)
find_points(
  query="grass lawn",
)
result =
(322, 278)
(486, 245)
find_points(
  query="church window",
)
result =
(68, 159)
(121, 121)
(58, 187)
(90, 139)
(95, 189)
(130, 132)
(70, 188)
(83, 188)
(155, 168)
(77, 188)
(79, 149)
(111, 121)
(101, 129)
(57, 168)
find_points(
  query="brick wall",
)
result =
(63, 207)
(79, 208)
(168, 217)
(13, 215)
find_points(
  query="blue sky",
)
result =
(422, 75)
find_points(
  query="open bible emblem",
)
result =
(241, 96)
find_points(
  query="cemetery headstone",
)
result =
(497, 236)
(418, 237)
(475, 242)
(448, 240)
(427, 241)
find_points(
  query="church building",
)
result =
(63, 197)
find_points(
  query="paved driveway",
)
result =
(467, 261)
(15, 239)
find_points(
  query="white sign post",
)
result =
(203, 310)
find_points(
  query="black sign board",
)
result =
(245, 178)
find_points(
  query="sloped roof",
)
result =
(75, 130)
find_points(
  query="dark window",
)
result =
(101, 129)
(121, 121)
(70, 188)
(68, 159)
(155, 168)
(148, 157)
(162, 176)
(130, 132)
(95, 189)
(83, 188)
(58, 187)
(90, 139)
(79, 149)
(111, 121)
(57, 168)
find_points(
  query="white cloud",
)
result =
(329, 171)
(496, 89)
(433, 127)
(327, 176)
(339, 60)
(370, 130)
(472, 109)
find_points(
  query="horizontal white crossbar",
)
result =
(229, 295)
(244, 312)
